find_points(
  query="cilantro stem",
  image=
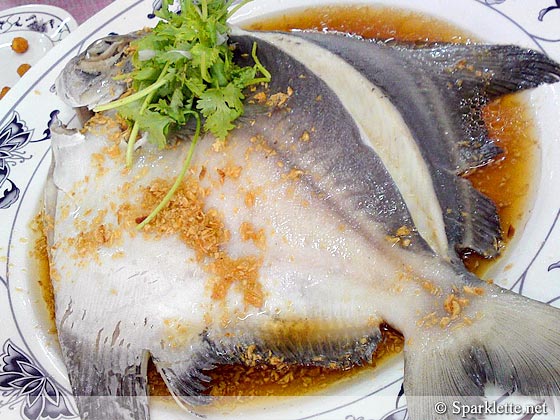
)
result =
(131, 98)
(130, 144)
(260, 67)
(178, 180)
(204, 5)
(136, 126)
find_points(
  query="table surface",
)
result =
(81, 10)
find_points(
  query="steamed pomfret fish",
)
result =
(334, 206)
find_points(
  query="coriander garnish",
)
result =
(184, 69)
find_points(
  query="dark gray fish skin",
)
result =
(355, 179)
(354, 185)
(440, 91)
(88, 79)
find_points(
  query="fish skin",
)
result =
(444, 118)
(400, 157)
(439, 89)
(320, 230)
(88, 79)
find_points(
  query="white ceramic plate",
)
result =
(33, 383)
(43, 26)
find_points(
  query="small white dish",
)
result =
(42, 26)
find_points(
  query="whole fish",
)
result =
(336, 205)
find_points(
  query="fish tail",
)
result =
(516, 346)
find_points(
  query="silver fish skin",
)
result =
(89, 78)
(343, 244)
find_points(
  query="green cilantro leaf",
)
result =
(221, 106)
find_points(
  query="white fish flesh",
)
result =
(335, 206)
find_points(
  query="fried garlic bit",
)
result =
(4, 91)
(20, 45)
(22, 69)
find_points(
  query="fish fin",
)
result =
(108, 378)
(472, 75)
(476, 148)
(501, 69)
(502, 348)
(333, 347)
(468, 77)
(188, 383)
(339, 350)
(185, 378)
(475, 225)
(50, 194)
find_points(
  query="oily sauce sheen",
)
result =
(506, 181)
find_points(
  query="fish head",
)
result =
(89, 78)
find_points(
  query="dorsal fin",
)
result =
(440, 91)
(470, 76)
